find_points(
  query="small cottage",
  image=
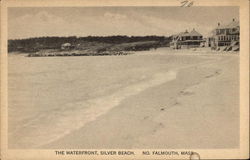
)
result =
(186, 39)
(66, 46)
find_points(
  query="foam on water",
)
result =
(48, 127)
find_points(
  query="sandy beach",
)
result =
(154, 100)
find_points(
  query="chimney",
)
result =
(219, 24)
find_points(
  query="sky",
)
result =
(26, 22)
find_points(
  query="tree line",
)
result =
(39, 43)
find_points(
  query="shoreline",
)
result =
(160, 50)
(144, 120)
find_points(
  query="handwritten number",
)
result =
(186, 3)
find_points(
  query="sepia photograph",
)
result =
(108, 80)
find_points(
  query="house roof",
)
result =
(233, 24)
(194, 33)
(187, 34)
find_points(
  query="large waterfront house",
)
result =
(225, 37)
(186, 39)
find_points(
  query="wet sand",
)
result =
(199, 109)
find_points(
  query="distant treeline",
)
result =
(40, 43)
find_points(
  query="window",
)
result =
(217, 31)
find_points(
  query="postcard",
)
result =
(163, 79)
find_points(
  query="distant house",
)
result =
(66, 46)
(225, 35)
(186, 39)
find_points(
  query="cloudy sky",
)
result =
(103, 21)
